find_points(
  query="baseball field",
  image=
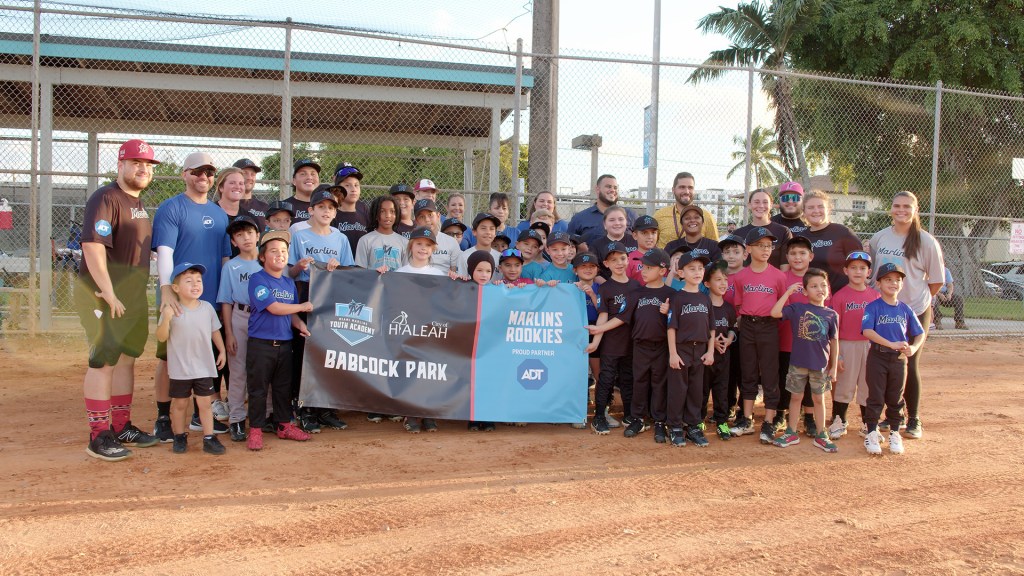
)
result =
(542, 499)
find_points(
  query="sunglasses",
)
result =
(200, 172)
(789, 198)
(859, 255)
(512, 252)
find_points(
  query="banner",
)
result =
(428, 346)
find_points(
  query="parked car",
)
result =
(1007, 288)
(1012, 271)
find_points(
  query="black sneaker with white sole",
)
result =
(238, 432)
(600, 425)
(197, 426)
(660, 433)
(130, 435)
(162, 430)
(328, 419)
(106, 447)
(696, 435)
(678, 437)
(634, 427)
(767, 433)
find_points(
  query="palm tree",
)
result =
(764, 157)
(761, 33)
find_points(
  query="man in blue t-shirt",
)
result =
(187, 228)
(589, 223)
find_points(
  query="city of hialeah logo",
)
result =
(353, 322)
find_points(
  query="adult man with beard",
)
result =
(589, 223)
(112, 303)
(670, 226)
(253, 206)
(791, 211)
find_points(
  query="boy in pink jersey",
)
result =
(849, 302)
(758, 288)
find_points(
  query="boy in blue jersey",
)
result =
(274, 308)
(895, 334)
(559, 269)
(530, 244)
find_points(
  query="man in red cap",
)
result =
(791, 211)
(112, 302)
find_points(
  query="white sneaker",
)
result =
(873, 442)
(895, 442)
(612, 422)
(580, 425)
(220, 410)
(837, 429)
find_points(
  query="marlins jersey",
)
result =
(306, 243)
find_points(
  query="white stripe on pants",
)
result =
(237, 390)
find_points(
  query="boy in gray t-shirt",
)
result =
(190, 362)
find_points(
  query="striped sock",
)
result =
(98, 412)
(120, 411)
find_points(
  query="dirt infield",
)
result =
(537, 500)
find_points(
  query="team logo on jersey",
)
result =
(103, 228)
(262, 293)
(207, 221)
(353, 322)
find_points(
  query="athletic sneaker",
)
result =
(743, 425)
(395, 418)
(162, 429)
(767, 433)
(863, 430)
(308, 422)
(255, 439)
(732, 414)
(914, 428)
(180, 443)
(788, 438)
(196, 426)
(612, 422)
(237, 431)
(635, 427)
(660, 433)
(580, 425)
(810, 426)
(723, 431)
(837, 429)
(822, 441)
(220, 410)
(211, 445)
(600, 425)
(290, 431)
(895, 442)
(429, 425)
(329, 419)
(696, 435)
(375, 418)
(132, 436)
(490, 427)
(105, 447)
(780, 422)
(873, 443)
(678, 437)
(412, 425)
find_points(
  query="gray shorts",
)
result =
(797, 378)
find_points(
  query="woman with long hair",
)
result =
(830, 242)
(229, 190)
(544, 201)
(920, 255)
(759, 202)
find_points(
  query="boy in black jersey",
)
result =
(716, 376)
(691, 338)
(615, 345)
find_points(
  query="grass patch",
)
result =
(991, 309)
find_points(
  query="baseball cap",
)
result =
(614, 246)
(504, 234)
(449, 222)
(758, 233)
(541, 226)
(269, 235)
(424, 204)
(246, 163)
(890, 268)
(559, 237)
(730, 239)
(688, 257)
(510, 254)
(485, 216)
(333, 189)
(197, 160)
(186, 266)
(280, 206)
(691, 208)
(645, 222)
(791, 188)
(425, 184)
(803, 240)
(530, 234)
(859, 255)
(322, 194)
(243, 220)
(302, 163)
(401, 189)
(344, 170)
(656, 257)
(584, 259)
(422, 232)
(136, 150)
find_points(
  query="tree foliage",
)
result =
(764, 158)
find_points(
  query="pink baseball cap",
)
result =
(136, 150)
(426, 184)
(791, 187)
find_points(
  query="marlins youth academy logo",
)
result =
(353, 322)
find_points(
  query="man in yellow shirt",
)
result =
(669, 227)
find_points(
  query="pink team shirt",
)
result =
(634, 265)
(849, 305)
(785, 332)
(730, 292)
(757, 292)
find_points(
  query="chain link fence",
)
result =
(401, 109)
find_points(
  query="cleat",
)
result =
(788, 438)
(660, 433)
(290, 431)
(162, 429)
(412, 425)
(220, 410)
(696, 435)
(328, 419)
(180, 443)
(895, 442)
(255, 439)
(634, 427)
(237, 431)
(914, 428)
(211, 445)
(767, 433)
(429, 425)
(742, 426)
(723, 431)
(678, 438)
(837, 429)
(822, 441)
(600, 425)
(873, 443)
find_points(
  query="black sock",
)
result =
(840, 408)
(863, 411)
(195, 408)
(163, 409)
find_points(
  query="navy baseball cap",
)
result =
(504, 234)
(424, 204)
(530, 234)
(614, 246)
(243, 220)
(859, 255)
(424, 233)
(645, 222)
(510, 254)
(486, 216)
(281, 235)
(559, 237)
(576, 239)
(280, 206)
(186, 266)
(323, 193)
(584, 259)
(401, 189)
(541, 226)
(802, 240)
(890, 268)
(688, 257)
(303, 163)
(730, 239)
(449, 222)
(656, 257)
(344, 170)
(246, 163)
(759, 233)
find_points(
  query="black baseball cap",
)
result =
(799, 240)
(424, 204)
(302, 163)
(576, 239)
(559, 237)
(731, 239)
(656, 257)
(530, 234)
(614, 246)
(401, 189)
(504, 234)
(241, 221)
(422, 232)
(890, 268)
(246, 163)
(449, 222)
(486, 216)
(757, 234)
(280, 206)
(688, 257)
(645, 222)
(322, 194)
(541, 226)
(344, 170)
(583, 259)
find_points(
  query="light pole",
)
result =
(589, 142)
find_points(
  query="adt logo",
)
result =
(262, 292)
(103, 228)
(207, 221)
(532, 374)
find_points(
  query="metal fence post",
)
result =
(286, 111)
(935, 155)
(652, 167)
(515, 127)
(33, 207)
(750, 130)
